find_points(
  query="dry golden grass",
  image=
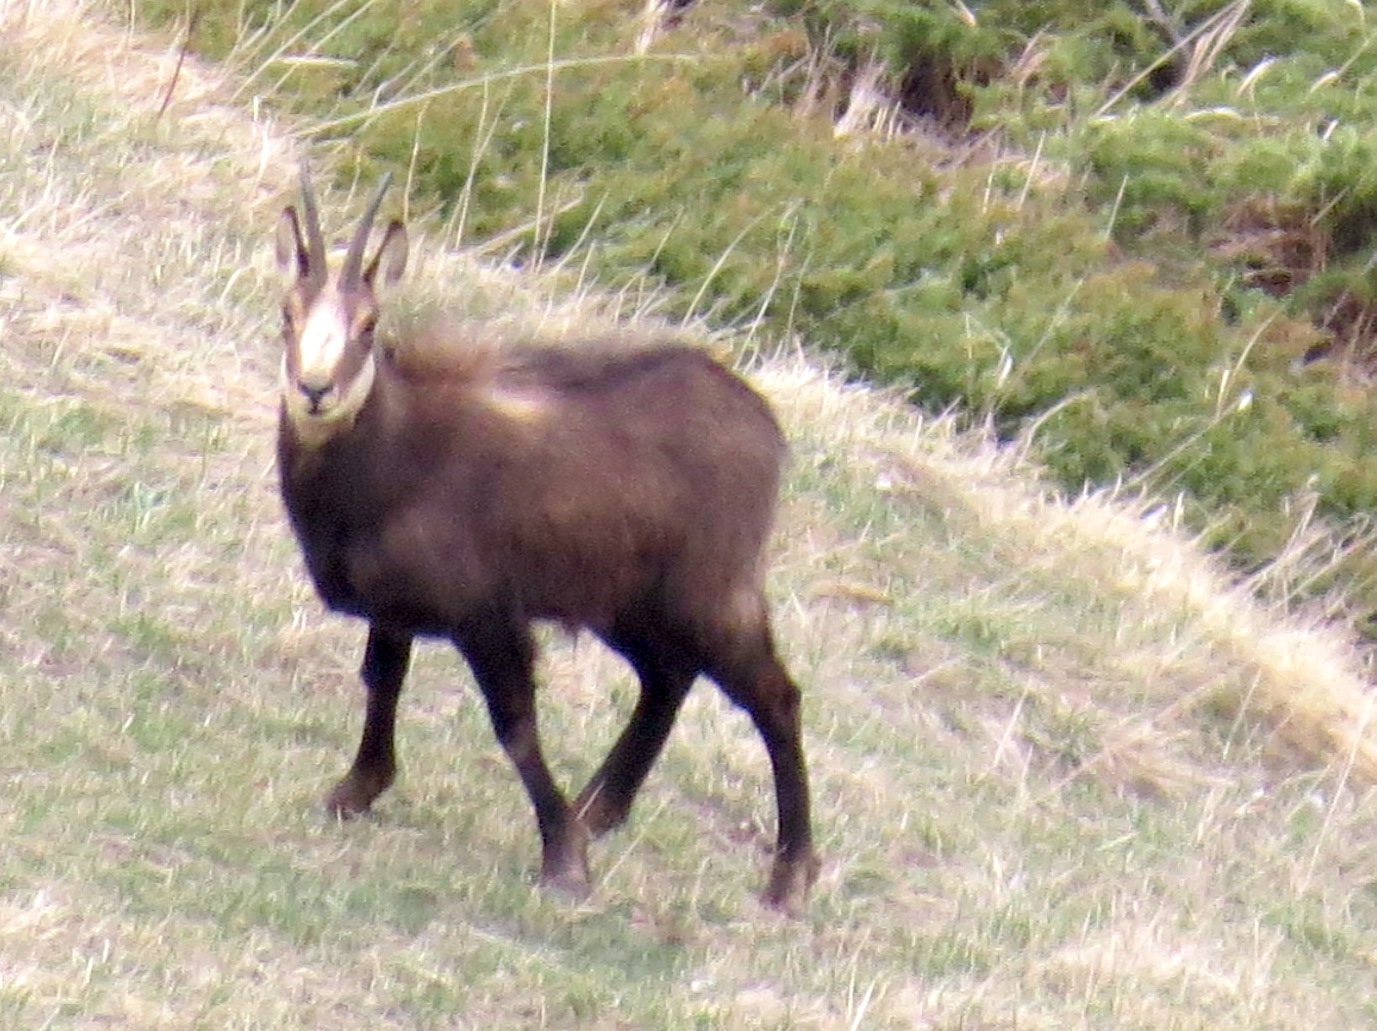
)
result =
(1068, 773)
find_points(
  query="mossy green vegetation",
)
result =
(1125, 233)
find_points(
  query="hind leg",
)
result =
(666, 673)
(751, 675)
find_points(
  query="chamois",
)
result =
(624, 490)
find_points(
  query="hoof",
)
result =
(572, 886)
(790, 880)
(564, 867)
(353, 796)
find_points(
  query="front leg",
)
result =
(385, 662)
(501, 654)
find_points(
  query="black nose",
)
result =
(313, 394)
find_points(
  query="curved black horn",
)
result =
(353, 260)
(315, 239)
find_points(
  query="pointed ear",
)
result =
(390, 259)
(292, 260)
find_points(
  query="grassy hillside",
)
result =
(1068, 775)
(1137, 233)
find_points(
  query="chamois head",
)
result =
(329, 316)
